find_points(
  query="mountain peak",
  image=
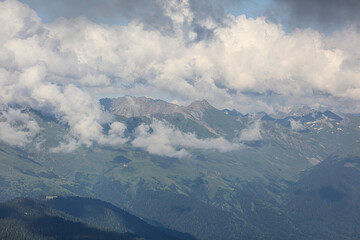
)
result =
(295, 112)
(130, 106)
(197, 108)
(199, 105)
(301, 111)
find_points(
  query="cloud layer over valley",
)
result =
(17, 128)
(163, 139)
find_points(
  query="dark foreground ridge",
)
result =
(73, 218)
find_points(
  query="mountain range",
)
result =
(200, 171)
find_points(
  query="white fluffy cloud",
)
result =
(70, 144)
(17, 128)
(251, 133)
(114, 137)
(36, 73)
(163, 139)
(248, 64)
(245, 57)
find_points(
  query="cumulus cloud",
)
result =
(251, 133)
(17, 128)
(163, 139)
(115, 137)
(246, 60)
(70, 104)
(69, 144)
(36, 73)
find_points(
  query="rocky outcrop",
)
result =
(141, 106)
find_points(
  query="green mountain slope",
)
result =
(326, 199)
(23, 218)
(106, 216)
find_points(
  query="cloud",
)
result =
(323, 14)
(245, 60)
(71, 142)
(154, 14)
(115, 135)
(69, 145)
(70, 104)
(17, 128)
(251, 133)
(158, 142)
(97, 11)
(37, 74)
(163, 139)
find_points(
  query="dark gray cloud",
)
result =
(325, 15)
(149, 12)
(206, 8)
(107, 11)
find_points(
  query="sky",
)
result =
(60, 57)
